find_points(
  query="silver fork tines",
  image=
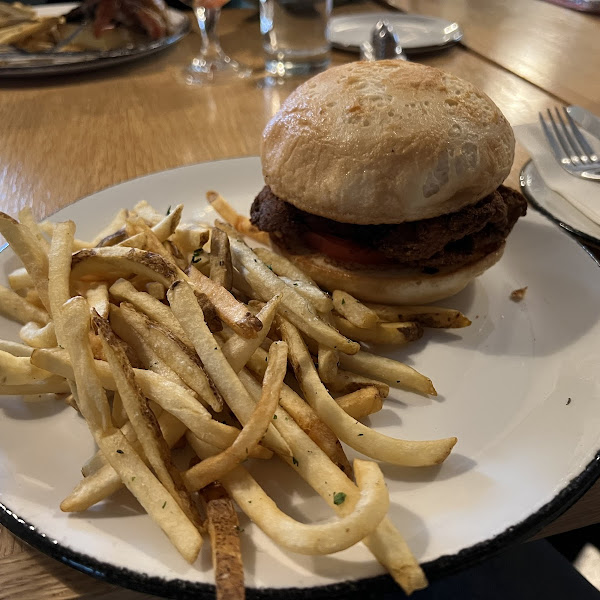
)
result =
(570, 147)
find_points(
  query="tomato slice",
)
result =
(344, 250)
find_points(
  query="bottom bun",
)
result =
(392, 286)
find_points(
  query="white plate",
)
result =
(525, 451)
(555, 207)
(417, 33)
(26, 65)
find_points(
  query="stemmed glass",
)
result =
(212, 65)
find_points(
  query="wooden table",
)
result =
(66, 137)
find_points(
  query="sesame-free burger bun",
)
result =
(390, 285)
(386, 142)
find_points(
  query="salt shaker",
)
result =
(384, 43)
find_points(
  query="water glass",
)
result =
(294, 34)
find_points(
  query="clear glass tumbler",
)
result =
(295, 35)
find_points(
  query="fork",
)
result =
(570, 148)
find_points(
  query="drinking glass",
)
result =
(294, 35)
(212, 65)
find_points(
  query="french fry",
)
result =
(390, 371)
(27, 219)
(295, 277)
(168, 224)
(382, 333)
(143, 420)
(16, 308)
(347, 382)
(176, 254)
(190, 238)
(221, 269)
(215, 467)
(428, 316)
(355, 311)
(136, 476)
(97, 297)
(144, 238)
(239, 222)
(156, 290)
(168, 395)
(93, 403)
(238, 350)
(210, 312)
(118, 413)
(313, 539)
(148, 213)
(223, 528)
(386, 543)
(147, 357)
(153, 497)
(16, 370)
(173, 353)
(302, 413)
(355, 434)
(313, 294)
(361, 403)
(233, 312)
(52, 385)
(101, 483)
(25, 246)
(38, 336)
(19, 279)
(155, 408)
(188, 312)
(293, 306)
(108, 264)
(283, 267)
(328, 359)
(15, 348)
(123, 290)
(114, 226)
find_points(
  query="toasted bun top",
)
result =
(386, 142)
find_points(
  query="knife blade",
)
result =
(589, 121)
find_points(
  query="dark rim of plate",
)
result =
(526, 191)
(362, 589)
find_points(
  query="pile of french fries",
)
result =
(164, 334)
(21, 27)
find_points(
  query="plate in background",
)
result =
(417, 33)
(29, 65)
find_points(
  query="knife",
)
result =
(589, 121)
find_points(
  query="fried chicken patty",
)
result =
(453, 239)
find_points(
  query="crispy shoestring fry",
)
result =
(321, 538)
(171, 327)
(294, 306)
(312, 464)
(371, 443)
(215, 467)
(93, 404)
(188, 312)
(238, 350)
(16, 308)
(168, 395)
(223, 527)
(143, 420)
(25, 245)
